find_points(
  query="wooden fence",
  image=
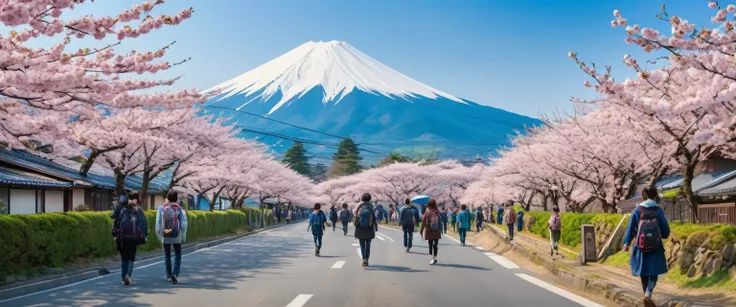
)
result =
(723, 213)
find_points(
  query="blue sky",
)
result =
(508, 54)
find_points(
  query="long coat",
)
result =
(430, 234)
(652, 263)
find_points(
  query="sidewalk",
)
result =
(109, 265)
(616, 284)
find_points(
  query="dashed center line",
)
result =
(300, 300)
(502, 261)
(566, 294)
(338, 265)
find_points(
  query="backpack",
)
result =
(648, 238)
(434, 221)
(170, 220)
(129, 228)
(556, 223)
(478, 216)
(407, 217)
(365, 218)
(345, 215)
(316, 221)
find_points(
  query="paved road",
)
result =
(277, 268)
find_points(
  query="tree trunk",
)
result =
(119, 183)
(144, 190)
(84, 169)
(605, 205)
(687, 189)
(544, 202)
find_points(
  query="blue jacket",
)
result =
(312, 217)
(463, 219)
(652, 263)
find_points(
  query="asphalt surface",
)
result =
(278, 268)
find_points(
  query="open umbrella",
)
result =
(420, 199)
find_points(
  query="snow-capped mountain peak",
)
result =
(335, 66)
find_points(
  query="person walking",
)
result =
(443, 216)
(479, 218)
(171, 230)
(345, 217)
(409, 219)
(555, 230)
(453, 219)
(509, 218)
(432, 228)
(499, 214)
(333, 217)
(520, 221)
(317, 220)
(647, 229)
(463, 223)
(130, 230)
(365, 226)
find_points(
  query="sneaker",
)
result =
(431, 262)
(316, 251)
(551, 252)
(127, 280)
(174, 280)
(407, 250)
(648, 302)
(365, 262)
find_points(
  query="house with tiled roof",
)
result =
(32, 182)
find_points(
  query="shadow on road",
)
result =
(461, 266)
(398, 269)
(210, 269)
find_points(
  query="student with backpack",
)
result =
(463, 223)
(345, 217)
(333, 217)
(509, 218)
(479, 218)
(555, 230)
(408, 218)
(453, 219)
(365, 227)
(443, 216)
(432, 228)
(130, 230)
(317, 220)
(647, 229)
(171, 230)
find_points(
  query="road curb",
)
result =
(612, 292)
(51, 283)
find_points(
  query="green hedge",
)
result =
(37, 241)
(571, 223)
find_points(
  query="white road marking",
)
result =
(359, 254)
(451, 238)
(338, 265)
(300, 300)
(385, 236)
(356, 244)
(134, 269)
(380, 238)
(502, 261)
(566, 294)
(285, 233)
(479, 248)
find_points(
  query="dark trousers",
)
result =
(177, 259)
(365, 248)
(127, 258)
(345, 227)
(463, 232)
(334, 225)
(433, 247)
(511, 231)
(408, 235)
(444, 227)
(317, 241)
(648, 283)
(478, 227)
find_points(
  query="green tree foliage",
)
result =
(296, 158)
(319, 172)
(394, 157)
(346, 161)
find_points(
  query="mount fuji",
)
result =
(321, 92)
